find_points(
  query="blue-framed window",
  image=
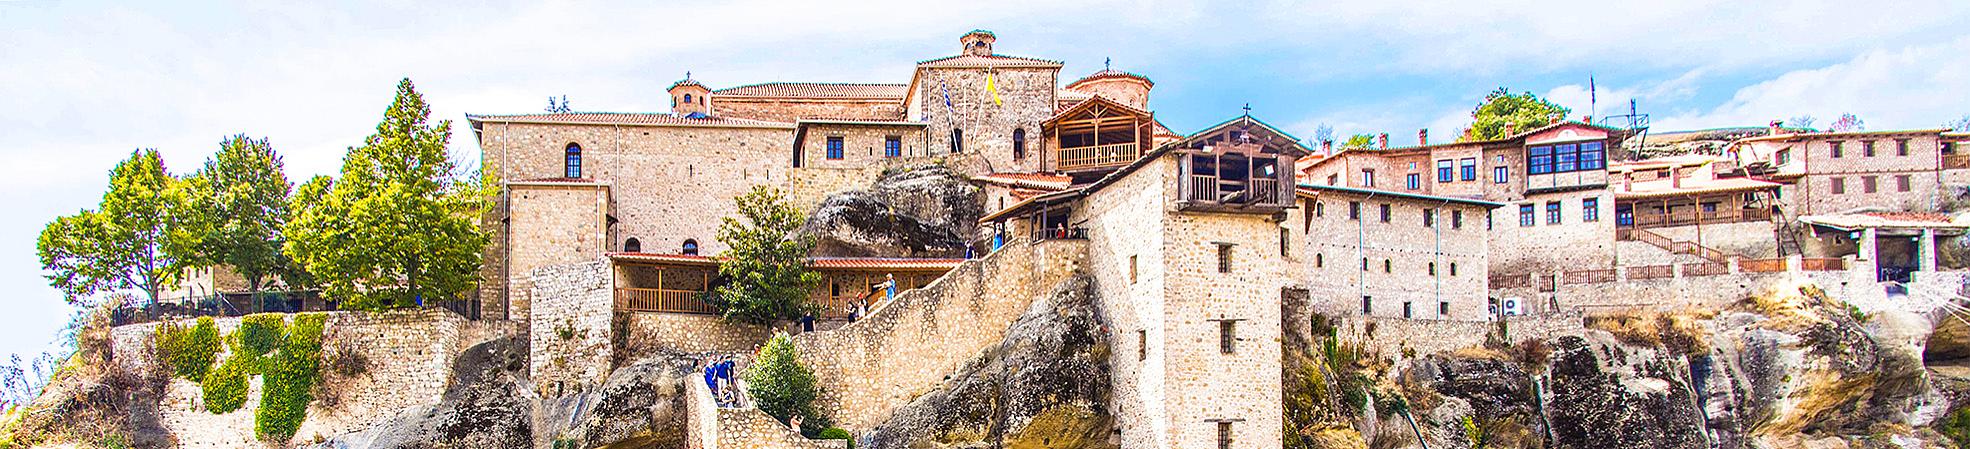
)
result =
(1539, 160)
(1415, 181)
(1525, 215)
(1564, 158)
(571, 167)
(1592, 156)
(892, 147)
(1443, 170)
(834, 147)
(1553, 212)
(1467, 168)
(1590, 209)
(1501, 174)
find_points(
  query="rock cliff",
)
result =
(921, 211)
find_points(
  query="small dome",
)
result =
(1112, 74)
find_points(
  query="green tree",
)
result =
(1359, 141)
(1523, 111)
(401, 225)
(242, 195)
(782, 387)
(138, 238)
(766, 270)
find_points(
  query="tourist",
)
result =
(794, 422)
(807, 322)
(711, 378)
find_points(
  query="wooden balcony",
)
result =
(662, 300)
(1099, 156)
(1210, 192)
(1956, 161)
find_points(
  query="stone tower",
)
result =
(979, 104)
(687, 97)
(978, 43)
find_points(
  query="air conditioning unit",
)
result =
(1513, 306)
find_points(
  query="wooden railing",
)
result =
(661, 300)
(1761, 265)
(1705, 269)
(1074, 158)
(1510, 281)
(1258, 191)
(1715, 217)
(1652, 272)
(1952, 161)
(1590, 276)
(1203, 188)
(1822, 264)
(1264, 190)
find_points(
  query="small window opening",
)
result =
(691, 247)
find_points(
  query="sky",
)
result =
(82, 83)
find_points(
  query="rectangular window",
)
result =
(1142, 345)
(1867, 184)
(1592, 156)
(1224, 257)
(1443, 170)
(1364, 264)
(1429, 218)
(1442, 309)
(1319, 209)
(1501, 174)
(1227, 336)
(1565, 157)
(1132, 271)
(1354, 210)
(1901, 147)
(1867, 148)
(1367, 178)
(1525, 215)
(1901, 183)
(1415, 181)
(1453, 268)
(1783, 157)
(892, 146)
(1839, 185)
(1224, 434)
(1334, 179)
(1467, 169)
(1456, 219)
(1406, 313)
(1539, 160)
(1319, 260)
(1285, 242)
(1834, 146)
(1590, 209)
(834, 148)
(1553, 212)
(1385, 212)
(1367, 305)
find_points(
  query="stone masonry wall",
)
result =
(908, 345)
(571, 327)
(1407, 261)
(1574, 243)
(862, 145)
(1126, 258)
(1203, 384)
(552, 225)
(644, 333)
(789, 110)
(1027, 95)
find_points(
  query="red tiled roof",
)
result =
(685, 82)
(816, 90)
(1904, 220)
(987, 61)
(845, 263)
(1031, 180)
(678, 259)
(1110, 73)
(1656, 188)
(626, 118)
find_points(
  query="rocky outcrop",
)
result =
(490, 404)
(922, 211)
(1604, 398)
(640, 405)
(1045, 385)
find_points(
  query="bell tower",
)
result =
(688, 98)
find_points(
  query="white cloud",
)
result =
(1919, 86)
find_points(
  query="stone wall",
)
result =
(1390, 336)
(1027, 98)
(572, 327)
(862, 145)
(1574, 243)
(1814, 194)
(908, 345)
(1431, 268)
(553, 224)
(791, 109)
(409, 352)
(644, 333)
(1754, 239)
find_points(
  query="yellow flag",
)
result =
(993, 86)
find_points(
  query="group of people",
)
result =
(718, 377)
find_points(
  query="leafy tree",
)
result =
(139, 238)
(766, 271)
(242, 196)
(1848, 123)
(784, 388)
(1523, 111)
(401, 224)
(1359, 141)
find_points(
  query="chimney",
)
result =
(1628, 181)
(1327, 147)
(1510, 129)
(1423, 137)
(1382, 140)
(1775, 129)
(1559, 117)
(977, 43)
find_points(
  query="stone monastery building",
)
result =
(1206, 248)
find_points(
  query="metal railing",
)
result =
(1073, 158)
(1822, 264)
(1652, 272)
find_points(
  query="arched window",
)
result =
(633, 245)
(573, 165)
(687, 98)
(957, 140)
(1019, 144)
(691, 247)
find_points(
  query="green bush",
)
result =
(189, 351)
(783, 388)
(289, 380)
(1956, 425)
(837, 433)
(225, 387)
(260, 334)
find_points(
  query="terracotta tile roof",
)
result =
(685, 82)
(1110, 73)
(557, 180)
(987, 61)
(881, 263)
(816, 90)
(1312, 190)
(1686, 160)
(1863, 220)
(673, 259)
(1842, 135)
(627, 118)
(1028, 180)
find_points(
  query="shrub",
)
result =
(288, 385)
(260, 333)
(1956, 425)
(189, 351)
(837, 433)
(782, 387)
(225, 387)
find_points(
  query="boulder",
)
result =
(640, 405)
(490, 404)
(922, 211)
(1045, 385)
